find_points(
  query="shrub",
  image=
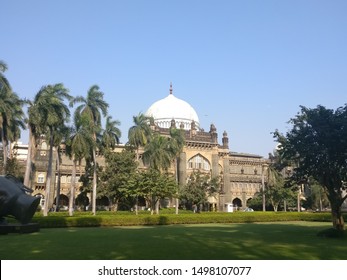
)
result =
(86, 219)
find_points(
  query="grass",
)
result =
(258, 241)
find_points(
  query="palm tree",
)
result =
(140, 133)
(91, 107)
(177, 143)
(77, 147)
(3, 80)
(111, 133)
(34, 134)
(52, 113)
(60, 137)
(158, 153)
(11, 120)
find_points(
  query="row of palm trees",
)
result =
(48, 116)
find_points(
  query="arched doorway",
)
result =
(237, 202)
(63, 202)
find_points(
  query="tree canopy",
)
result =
(316, 146)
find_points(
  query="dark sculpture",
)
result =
(15, 201)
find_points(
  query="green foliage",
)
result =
(140, 133)
(317, 148)
(199, 187)
(14, 168)
(119, 170)
(153, 186)
(85, 219)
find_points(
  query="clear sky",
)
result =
(245, 66)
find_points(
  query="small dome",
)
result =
(171, 107)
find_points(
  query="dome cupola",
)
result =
(171, 108)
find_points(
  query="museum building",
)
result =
(241, 174)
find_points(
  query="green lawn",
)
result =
(260, 241)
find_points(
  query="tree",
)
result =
(111, 133)
(52, 113)
(93, 106)
(275, 191)
(33, 124)
(176, 144)
(153, 186)
(140, 133)
(158, 153)
(11, 116)
(317, 147)
(78, 146)
(199, 187)
(3, 80)
(118, 171)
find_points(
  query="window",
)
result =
(199, 162)
(41, 178)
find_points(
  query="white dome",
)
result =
(171, 107)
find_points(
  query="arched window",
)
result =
(199, 162)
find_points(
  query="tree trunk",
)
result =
(338, 222)
(94, 184)
(136, 206)
(28, 168)
(57, 198)
(176, 175)
(72, 188)
(4, 149)
(47, 204)
(263, 187)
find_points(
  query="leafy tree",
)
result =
(275, 191)
(199, 187)
(119, 170)
(93, 106)
(317, 147)
(153, 186)
(316, 198)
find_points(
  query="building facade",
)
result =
(241, 174)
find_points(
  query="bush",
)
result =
(86, 219)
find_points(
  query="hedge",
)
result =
(122, 219)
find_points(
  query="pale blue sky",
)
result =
(245, 66)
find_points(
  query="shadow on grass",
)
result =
(294, 240)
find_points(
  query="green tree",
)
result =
(52, 113)
(316, 199)
(111, 133)
(153, 186)
(78, 146)
(140, 133)
(3, 80)
(11, 119)
(118, 171)
(93, 106)
(317, 146)
(158, 153)
(199, 187)
(33, 124)
(176, 144)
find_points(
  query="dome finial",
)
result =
(170, 87)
